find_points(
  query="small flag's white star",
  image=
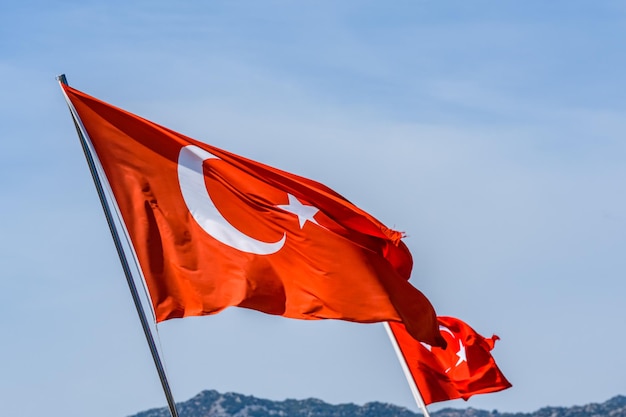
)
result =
(461, 354)
(304, 213)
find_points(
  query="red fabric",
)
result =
(341, 264)
(442, 374)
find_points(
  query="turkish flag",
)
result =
(211, 229)
(464, 368)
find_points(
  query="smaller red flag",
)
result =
(464, 368)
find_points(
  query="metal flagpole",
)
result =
(414, 389)
(91, 161)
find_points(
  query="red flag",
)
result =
(464, 368)
(211, 229)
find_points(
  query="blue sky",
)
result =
(492, 133)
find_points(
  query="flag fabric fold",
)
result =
(211, 229)
(464, 368)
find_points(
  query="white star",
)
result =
(304, 213)
(461, 354)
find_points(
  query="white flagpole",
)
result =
(407, 373)
(93, 164)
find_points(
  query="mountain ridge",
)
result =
(211, 403)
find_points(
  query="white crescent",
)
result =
(445, 329)
(203, 210)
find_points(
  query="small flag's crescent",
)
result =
(204, 211)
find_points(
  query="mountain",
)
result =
(213, 404)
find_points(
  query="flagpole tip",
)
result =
(62, 79)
